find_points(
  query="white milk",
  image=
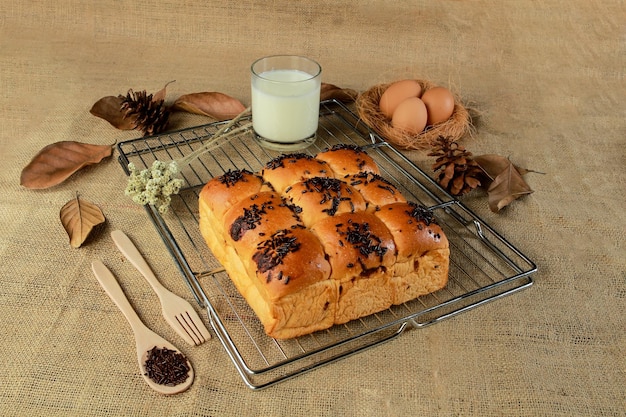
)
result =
(285, 105)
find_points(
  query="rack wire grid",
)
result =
(484, 266)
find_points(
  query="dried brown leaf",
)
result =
(506, 187)
(160, 95)
(213, 104)
(56, 162)
(79, 217)
(109, 108)
(331, 91)
(494, 164)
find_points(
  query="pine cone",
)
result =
(150, 116)
(458, 172)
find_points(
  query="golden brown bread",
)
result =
(308, 250)
(361, 252)
(422, 250)
(288, 261)
(319, 197)
(357, 244)
(347, 160)
(256, 217)
(219, 195)
(375, 189)
(224, 191)
(414, 229)
(288, 169)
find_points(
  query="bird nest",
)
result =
(455, 127)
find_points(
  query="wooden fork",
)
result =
(176, 310)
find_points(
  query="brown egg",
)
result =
(396, 93)
(410, 115)
(439, 102)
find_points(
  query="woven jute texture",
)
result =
(548, 82)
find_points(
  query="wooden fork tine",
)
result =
(190, 327)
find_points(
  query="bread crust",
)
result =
(375, 189)
(414, 229)
(318, 198)
(361, 253)
(254, 218)
(356, 244)
(347, 160)
(288, 169)
(423, 253)
(228, 189)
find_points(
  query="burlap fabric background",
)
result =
(549, 81)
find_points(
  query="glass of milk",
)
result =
(285, 101)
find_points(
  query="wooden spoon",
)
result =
(145, 339)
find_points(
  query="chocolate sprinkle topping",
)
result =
(320, 184)
(370, 177)
(166, 367)
(348, 146)
(272, 251)
(361, 237)
(230, 178)
(279, 161)
(295, 209)
(421, 213)
(250, 219)
(331, 190)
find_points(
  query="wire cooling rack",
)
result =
(484, 266)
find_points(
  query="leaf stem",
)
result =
(218, 138)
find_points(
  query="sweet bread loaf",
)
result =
(310, 242)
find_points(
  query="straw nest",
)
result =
(455, 127)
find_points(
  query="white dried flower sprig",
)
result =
(157, 184)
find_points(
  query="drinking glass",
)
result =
(285, 101)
